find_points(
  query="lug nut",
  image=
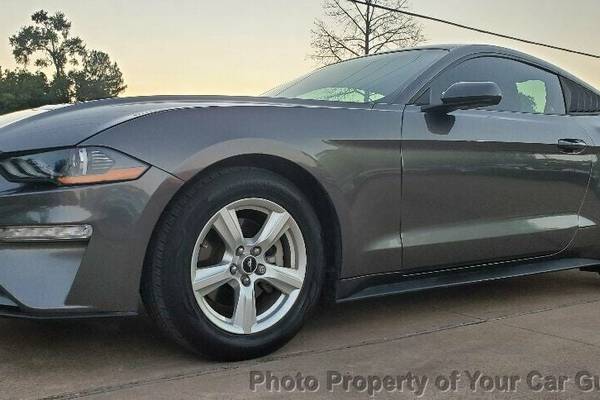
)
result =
(261, 269)
(256, 251)
(233, 269)
(246, 280)
(240, 251)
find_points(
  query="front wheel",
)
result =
(236, 264)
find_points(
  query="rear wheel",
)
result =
(235, 265)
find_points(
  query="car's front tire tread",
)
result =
(154, 282)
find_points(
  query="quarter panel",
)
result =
(587, 240)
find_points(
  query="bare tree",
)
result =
(352, 30)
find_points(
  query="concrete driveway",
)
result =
(531, 330)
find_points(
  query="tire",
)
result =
(168, 282)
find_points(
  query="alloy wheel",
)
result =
(248, 266)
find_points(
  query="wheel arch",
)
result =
(316, 193)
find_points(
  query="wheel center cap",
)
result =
(249, 264)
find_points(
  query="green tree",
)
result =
(99, 78)
(21, 89)
(78, 74)
(49, 41)
(60, 89)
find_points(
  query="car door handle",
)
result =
(572, 146)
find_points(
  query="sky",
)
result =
(247, 47)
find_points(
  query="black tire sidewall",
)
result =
(194, 210)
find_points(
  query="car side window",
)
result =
(525, 88)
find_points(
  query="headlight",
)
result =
(76, 166)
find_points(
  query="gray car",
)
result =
(233, 217)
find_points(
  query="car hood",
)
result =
(68, 125)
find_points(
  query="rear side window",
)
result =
(533, 95)
(579, 99)
(525, 88)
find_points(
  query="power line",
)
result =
(470, 28)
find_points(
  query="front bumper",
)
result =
(78, 279)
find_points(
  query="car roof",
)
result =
(457, 51)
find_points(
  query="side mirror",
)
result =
(467, 95)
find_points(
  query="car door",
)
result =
(494, 184)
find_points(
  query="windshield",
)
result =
(362, 80)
